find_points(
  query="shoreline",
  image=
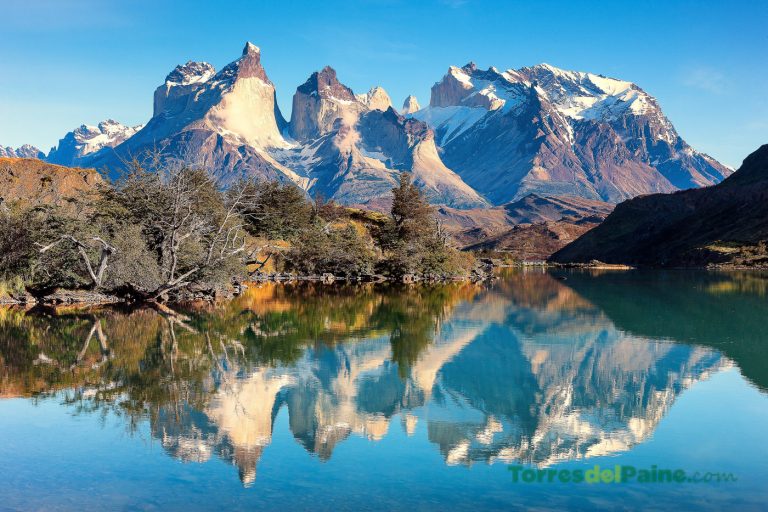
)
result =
(86, 298)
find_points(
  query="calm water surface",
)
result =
(350, 398)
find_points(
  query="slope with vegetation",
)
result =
(166, 231)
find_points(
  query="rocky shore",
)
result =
(483, 271)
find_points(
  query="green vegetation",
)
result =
(164, 230)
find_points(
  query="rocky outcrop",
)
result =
(33, 182)
(375, 99)
(321, 105)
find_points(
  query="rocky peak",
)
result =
(247, 66)
(325, 84)
(469, 86)
(87, 139)
(410, 105)
(320, 103)
(190, 73)
(375, 99)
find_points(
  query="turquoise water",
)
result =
(329, 398)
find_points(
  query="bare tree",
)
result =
(107, 250)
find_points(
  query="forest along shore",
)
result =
(166, 232)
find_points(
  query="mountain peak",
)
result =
(410, 105)
(190, 73)
(251, 48)
(375, 99)
(325, 84)
(85, 140)
(25, 151)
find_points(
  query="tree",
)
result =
(414, 240)
(274, 210)
(194, 230)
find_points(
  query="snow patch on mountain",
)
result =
(450, 122)
(87, 140)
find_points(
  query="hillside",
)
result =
(531, 228)
(536, 242)
(723, 224)
(31, 182)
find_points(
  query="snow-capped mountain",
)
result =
(25, 151)
(548, 131)
(353, 148)
(347, 147)
(87, 140)
(487, 136)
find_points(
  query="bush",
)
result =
(341, 249)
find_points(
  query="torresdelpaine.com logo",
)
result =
(617, 474)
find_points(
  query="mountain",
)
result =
(346, 147)
(552, 132)
(375, 99)
(88, 140)
(25, 151)
(536, 242)
(222, 120)
(353, 148)
(723, 224)
(487, 137)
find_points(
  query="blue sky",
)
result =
(65, 63)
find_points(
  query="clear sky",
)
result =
(68, 62)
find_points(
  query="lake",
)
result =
(379, 397)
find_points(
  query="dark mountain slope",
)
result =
(723, 224)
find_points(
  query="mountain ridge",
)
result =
(487, 137)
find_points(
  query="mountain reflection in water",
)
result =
(528, 369)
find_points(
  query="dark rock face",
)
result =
(725, 223)
(248, 66)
